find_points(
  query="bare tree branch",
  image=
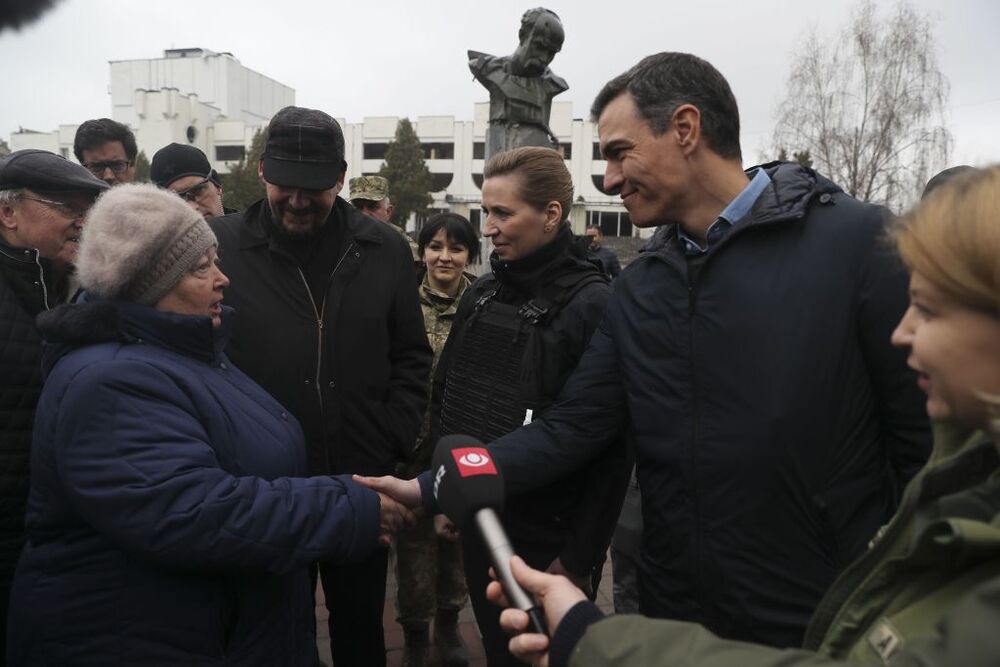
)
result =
(868, 106)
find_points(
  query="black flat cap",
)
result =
(43, 171)
(305, 149)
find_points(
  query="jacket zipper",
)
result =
(320, 313)
(41, 280)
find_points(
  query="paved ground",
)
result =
(467, 623)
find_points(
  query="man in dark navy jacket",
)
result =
(746, 355)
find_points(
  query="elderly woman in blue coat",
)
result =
(167, 520)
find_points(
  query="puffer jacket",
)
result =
(168, 522)
(773, 422)
(927, 592)
(27, 288)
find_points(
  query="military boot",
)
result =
(416, 646)
(446, 639)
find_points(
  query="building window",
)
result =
(478, 150)
(373, 151)
(440, 182)
(439, 151)
(230, 153)
(612, 223)
(566, 150)
(478, 180)
(597, 152)
(475, 217)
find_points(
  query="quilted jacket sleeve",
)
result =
(135, 462)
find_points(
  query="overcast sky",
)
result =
(407, 58)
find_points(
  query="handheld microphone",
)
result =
(469, 490)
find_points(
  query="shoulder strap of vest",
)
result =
(555, 295)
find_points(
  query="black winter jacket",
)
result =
(576, 514)
(771, 418)
(354, 368)
(26, 289)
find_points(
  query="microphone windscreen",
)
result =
(466, 479)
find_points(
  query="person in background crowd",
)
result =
(518, 334)
(43, 200)
(927, 592)
(746, 356)
(168, 519)
(608, 258)
(107, 149)
(330, 325)
(944, 176)
(185, 170)
(429, 567)
(370, 195)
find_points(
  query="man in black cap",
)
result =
(185, 170)
(43, 199)
(329, 323)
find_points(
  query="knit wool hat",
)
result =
(138, 241)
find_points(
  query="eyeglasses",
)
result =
(196, 191)
(116, 166)
(70, 211)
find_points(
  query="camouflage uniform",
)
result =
(375, 189)
(415, 251)
(429, 568)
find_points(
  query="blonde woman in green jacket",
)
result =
(927, 592)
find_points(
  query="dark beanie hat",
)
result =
(177, 161)
(943, 177)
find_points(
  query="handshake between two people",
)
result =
(399, 504)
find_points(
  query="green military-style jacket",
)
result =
(927, 592)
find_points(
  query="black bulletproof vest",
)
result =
(483, 394)
(499, 369)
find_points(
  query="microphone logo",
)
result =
(473, 461)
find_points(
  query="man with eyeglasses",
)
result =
(185, 170)
(107, 149)
(43, 200)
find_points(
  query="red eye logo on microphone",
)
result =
(473, 461)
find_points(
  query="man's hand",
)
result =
(582, 582)
(393, 517)
(554, 593)
(445, 528)
(403, 491)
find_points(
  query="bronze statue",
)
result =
(521, 85)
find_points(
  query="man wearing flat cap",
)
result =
(184, 169)
(328, 322)
(43, 199)
(370, 195)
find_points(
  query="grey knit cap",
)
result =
(138, 241)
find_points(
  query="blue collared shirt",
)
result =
(736, 209)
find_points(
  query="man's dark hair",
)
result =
(662, 82)
(456, 229)
(94, 133)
